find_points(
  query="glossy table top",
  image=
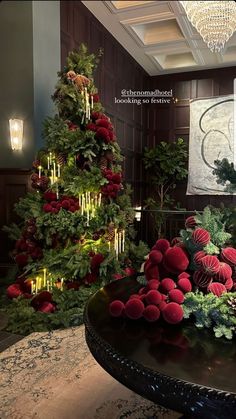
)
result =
(181, 352)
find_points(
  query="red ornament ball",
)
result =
(134, 296)
(151, 313)
(177, 296)
(190, 222)
(201, 236)
(167, 284)
(13, 291)
(162, 245)
(155, 256)
(47, 307)
(116, 308)
(201, 279)
(21, 259)
(198, 258)
(228, 255)
(217, 288)
(183, 275)
(153, 284)
(224, 273)
(210, 264)
(173, 313)
(229, 284)
(134, 309)
(153, 297)
(175, 260)
(162, 305)
(184, 284)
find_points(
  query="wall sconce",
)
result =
(16, 133)
(138, 213)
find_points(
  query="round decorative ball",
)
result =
(153, 297)
(177, 296)
(173, 313)
(155, 256)
(185, 285)
(201, 236)
(151, 313)
(210, 264)
(116, 308)
(217, 288)
(153, 284)
(175, 260)
(13, 291)
(167, 284)
(134, 309)
(228, 255)
(162, 245)
(197, 258)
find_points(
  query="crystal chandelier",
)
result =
(214, 20)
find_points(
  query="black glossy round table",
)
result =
(179, 367)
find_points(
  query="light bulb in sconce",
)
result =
(16, 133)
(138, 213)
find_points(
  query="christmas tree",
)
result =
(75, 228)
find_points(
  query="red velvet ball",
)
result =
(173, 313)
(134, 309)
(47, 307)
(175, 260)
(40, 298)
(201, 279)
(95, 115)
(50, 196)
(103, 134)
(155, 256)
(225, 272)
(177, 296)
(162, 245)
(151, 313)
(129, 271)
(116, 308)
(91, 127)
(153, 297)
(201, 236)
(183, 275)
(21, 259)
(153, 284)
(185, 285)
(216, 288)
(13, 291)
(229, 284)
(96, 261)
(167, 284)
(134, 296)
(228, 255)
(96, 98)
(197, 258)
(162, 305)
(210, 264)
(103, 123)
(65, 204)
(190, 222)
(47, 208)
(151, 272)
(21, 245)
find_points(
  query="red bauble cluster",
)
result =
(71, 126)
(214, 274)
(39, 183)
(159, 299)
(67, 203)
(114, 186)
(27, 246)
(102, 127)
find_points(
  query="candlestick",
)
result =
(48, 163)
(123, 241)
(40, 171)
(31, 287)
(54, 170)
(47, 285)
(62, 280)
(109, 246)
(99, 199)
(58, 170)
(44, 276)
(92, 102)
(50, 158)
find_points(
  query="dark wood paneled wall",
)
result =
(168, 122)
(14, 183)
(117, 70)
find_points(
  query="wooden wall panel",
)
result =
(14, 183)
(169, 123)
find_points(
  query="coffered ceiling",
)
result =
(159, 36)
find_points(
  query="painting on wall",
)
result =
(210, 139)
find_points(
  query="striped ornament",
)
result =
(210, 264)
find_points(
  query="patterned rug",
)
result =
(54, 376)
